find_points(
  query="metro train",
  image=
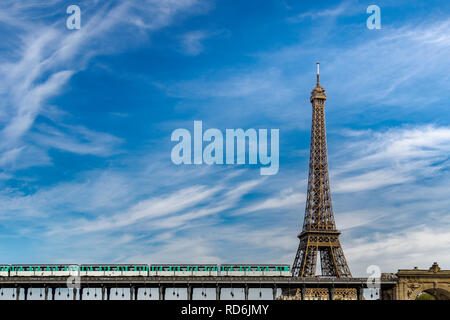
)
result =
(157, 270)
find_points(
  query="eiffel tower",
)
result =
(319, 234)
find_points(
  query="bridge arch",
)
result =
(437, 292)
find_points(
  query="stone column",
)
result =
(190, 291)
(162, 292)
(303, 293)
(132, 293)
(218, 291)
(360, 293)
(331, 293)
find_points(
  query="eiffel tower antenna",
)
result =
(318, 82)
(319, 234)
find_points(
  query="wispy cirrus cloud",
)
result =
(404, 249)
(76, 139)
(396, 156)
(45, 56)
(192, 42)
(343, 8)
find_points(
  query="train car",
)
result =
(40, 270)
(114, 270)
(252, 270)
(4, 270)
(184, 270)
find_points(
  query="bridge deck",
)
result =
(183, 281)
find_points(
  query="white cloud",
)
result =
(76, 139)
(286, 199)
(45, 56)
(419, 246)
(192, 42)
(395, 156)
(343, 8)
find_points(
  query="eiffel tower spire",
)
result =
(319, 234)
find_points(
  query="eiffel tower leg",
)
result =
(310, 261)
(341, 262)
(327, 263)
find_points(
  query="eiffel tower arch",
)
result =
(319, 236)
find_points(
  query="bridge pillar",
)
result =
(53, 293)
(133, 294)
(218, 292)
(360, 293)
(274, 292)
(74, 291)
(162, 292)
(246, 292)
(189, 292)
(25, 293)
(331, 293)
(46, 293)
(103, 292)
(303, 293)
(17, 293)
(108, 293)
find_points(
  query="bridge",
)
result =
(49, 286)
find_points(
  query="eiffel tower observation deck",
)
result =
(319, 235)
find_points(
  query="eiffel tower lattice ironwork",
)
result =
(319, 234)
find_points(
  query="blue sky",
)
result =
(86, 117)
